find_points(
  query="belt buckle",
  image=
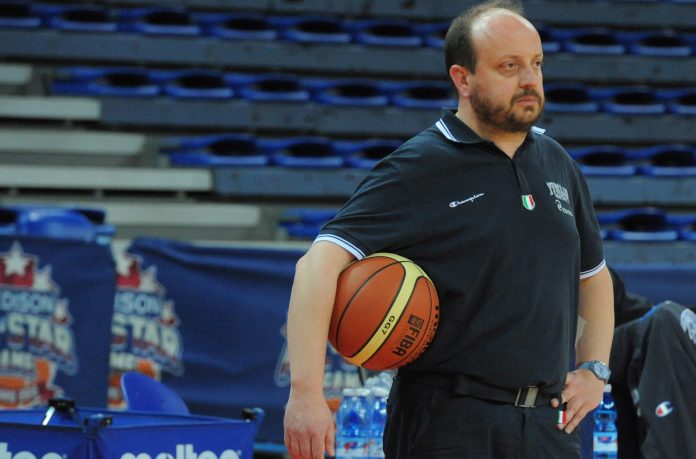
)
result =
(526, 397)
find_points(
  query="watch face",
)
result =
(600, 370)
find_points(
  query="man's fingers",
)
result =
(318, 445)
(305, 447)
(330, 440)
(295, 448)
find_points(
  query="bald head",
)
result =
(501, 32)
(484, 21)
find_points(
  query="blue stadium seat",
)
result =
(589, 41)
(222, 150)
(16, 14)
(311, 152)
(383, 32)
(569, 97)
(143, 393)
(681, 102)
(83, 18)
(669, 160)
(603, 160)
(8, 221)
(425, 95)
(433, 34)
(159, 21)
(549, 42)
(122, 82)
(688, 231)
(194, 84)
(84, 224)
(313, 29)
(356, 92)
(630, 100)
(237, 26)
(658, 43)
(305, 223)
(639, 225)
(690, 38)
(273, 87)
(364, 154)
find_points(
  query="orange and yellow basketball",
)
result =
(385, 313)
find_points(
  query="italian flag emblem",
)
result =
(528, 201)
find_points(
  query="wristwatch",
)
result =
(600, 369)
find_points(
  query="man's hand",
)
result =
(309, 426)
(583, 392)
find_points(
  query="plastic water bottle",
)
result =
(377, 422)
(353, 421)
(605, 436)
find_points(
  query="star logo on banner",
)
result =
(43, 280)
(148, 280)
(61, 315)
(123, 264)
(168, 317)
(16, 262)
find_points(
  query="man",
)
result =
(500, 218)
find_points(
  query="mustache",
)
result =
(526, 93)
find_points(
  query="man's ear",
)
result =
(460, 79)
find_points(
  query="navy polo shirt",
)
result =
(504, 240)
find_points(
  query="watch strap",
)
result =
(590, 365)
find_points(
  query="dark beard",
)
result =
(494, 116)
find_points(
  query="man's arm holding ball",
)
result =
(309, 428)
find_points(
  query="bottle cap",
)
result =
(349, 391)
(362, 392)
(379, 391)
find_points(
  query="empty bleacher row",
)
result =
(663, 50)
(277, 103)
(323, 29)
(196, 84)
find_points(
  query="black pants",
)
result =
(426, 422)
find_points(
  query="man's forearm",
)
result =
(311, 303)
(596, 310)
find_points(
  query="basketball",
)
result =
(385, 313)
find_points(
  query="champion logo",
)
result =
(528, 202)
(454, 204)
(663, 409)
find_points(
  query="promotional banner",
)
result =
(145, 333)
(56, 299)
(209, 322)
(107, 434)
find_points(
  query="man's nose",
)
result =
(530, 77)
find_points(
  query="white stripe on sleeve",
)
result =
(357, 253)
(593, 271)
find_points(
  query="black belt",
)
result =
(525, 397)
